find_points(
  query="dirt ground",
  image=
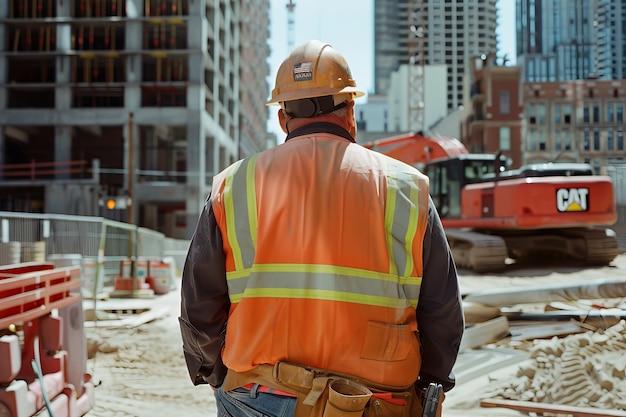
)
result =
(139, 369)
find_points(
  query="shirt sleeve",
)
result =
(204, 302)
(439, 309)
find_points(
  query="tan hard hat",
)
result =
(313, 69)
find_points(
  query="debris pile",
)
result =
(584, 370)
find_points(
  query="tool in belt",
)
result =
(322, 393)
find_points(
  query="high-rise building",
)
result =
(452, 31)
(611, 39)
(559, 40)
(140, 99)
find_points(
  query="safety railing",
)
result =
(35, 237)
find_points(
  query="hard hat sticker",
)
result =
(572, 199)
(302, 71)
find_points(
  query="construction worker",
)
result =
(319, 280)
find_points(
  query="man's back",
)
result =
(335, 256)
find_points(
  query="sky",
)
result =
(348, 25)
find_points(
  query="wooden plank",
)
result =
(483, 333)
(477, 363)
(587, 290)
(550, 408)
(563, 315)
(543, 331)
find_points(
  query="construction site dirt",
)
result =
(508, 365)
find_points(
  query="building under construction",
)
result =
(127, 108)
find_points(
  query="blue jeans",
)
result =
(241, 402)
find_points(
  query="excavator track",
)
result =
(491, 251)
(592, 246)
(479, 252)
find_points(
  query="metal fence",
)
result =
(27, 237)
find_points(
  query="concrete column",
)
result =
(196, 92)
(63, 91)
(134, 36)
(3, 62)
(62, 146)
(3, 150)
(196, 171)
(135, 164)
(151, 151)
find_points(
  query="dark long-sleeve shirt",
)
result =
(205, 304)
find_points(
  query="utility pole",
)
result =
(416, 64)
(290, 25)
(130, 208)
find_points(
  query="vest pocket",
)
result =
(387, 342)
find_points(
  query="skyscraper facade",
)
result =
(559, 40)
(452, 31)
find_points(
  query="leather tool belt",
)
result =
(322, 393)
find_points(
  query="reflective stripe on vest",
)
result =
(323, 282)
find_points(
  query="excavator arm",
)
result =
(416, 149)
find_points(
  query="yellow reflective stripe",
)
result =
(293, 279)
(240, 204)
(401, 219)
(251, 199)
(412, 222)
(229, 209)
(390, 207)
(326, 295)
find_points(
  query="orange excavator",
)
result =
(494, 216)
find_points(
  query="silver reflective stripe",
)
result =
(401, 218)
(324, 282)
(404, 227)
(240, 207)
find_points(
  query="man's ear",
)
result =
(283, 119)
(351, 119)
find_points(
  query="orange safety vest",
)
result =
(323, 245)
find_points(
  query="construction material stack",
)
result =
(42, 343)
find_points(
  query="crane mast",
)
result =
(416, 14)
(290, 25)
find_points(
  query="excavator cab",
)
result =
(448, 176)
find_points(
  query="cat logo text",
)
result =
(572, 199)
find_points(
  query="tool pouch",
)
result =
(346, 398)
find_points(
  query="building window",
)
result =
(596, 113)
(530, 112)
(567, 114)
(542, 140)
(558, 144)
(610, 141)
(586, 113)
(586, 141)
(620, 140)
(541, 114)
(568, 140)
(609, 112)
(505, 138)
(596, 140)
(556, 110)
(619, 113)
(505, 105)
